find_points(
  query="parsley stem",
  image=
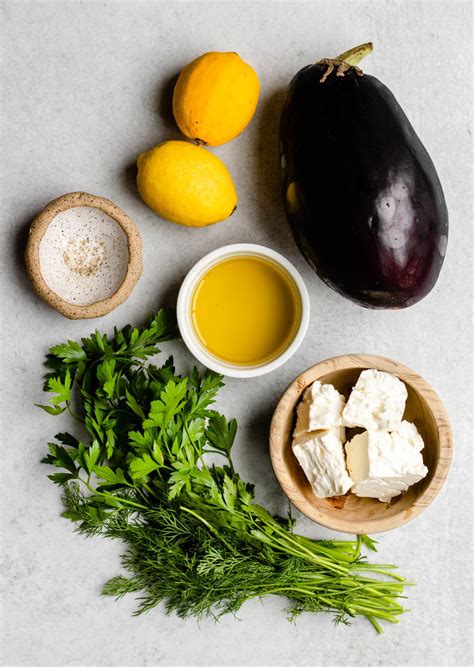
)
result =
(215, 451)
(125, 501)
(69, 409)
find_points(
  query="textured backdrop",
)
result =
(86, 87)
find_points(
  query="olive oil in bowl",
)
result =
(246, 310)
(243, 310)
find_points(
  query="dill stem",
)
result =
(379, 569)
(375, 624)
(347, 547)
(377, 613)
(206, 523)
(309, 555)
(290, 537)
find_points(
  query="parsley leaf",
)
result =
(70, 352)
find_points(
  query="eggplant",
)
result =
(361, 193)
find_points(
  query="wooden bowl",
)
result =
(349, 513)
(84, 255)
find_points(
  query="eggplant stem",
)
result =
(356, 54)
(346, 61)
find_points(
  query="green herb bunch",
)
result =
(195, 538)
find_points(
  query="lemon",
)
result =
(215, 97)
(186, 184)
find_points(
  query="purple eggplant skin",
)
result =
(361, 193)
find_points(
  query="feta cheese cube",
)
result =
(320, 409)
(384, 464)
(377, 401)
(321, 456)
(406, 432)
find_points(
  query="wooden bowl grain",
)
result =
(349, 513)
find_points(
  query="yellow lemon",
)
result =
(186, 184)
(215, 97)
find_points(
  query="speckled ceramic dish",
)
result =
(83, 255)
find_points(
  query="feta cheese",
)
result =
(321, 456)
(320, 409)
(377, 401)
(384, 464)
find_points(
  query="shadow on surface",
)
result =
(19, 239)
(166, 131)
(257, 450)
(266, 170)
(164, 103)
(169, 296)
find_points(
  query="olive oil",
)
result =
(246, 310)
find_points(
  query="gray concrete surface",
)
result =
(86, 87)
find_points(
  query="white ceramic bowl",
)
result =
(185, 318)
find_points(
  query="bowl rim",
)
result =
(32, 255)
(183, 310)
(279, 440)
